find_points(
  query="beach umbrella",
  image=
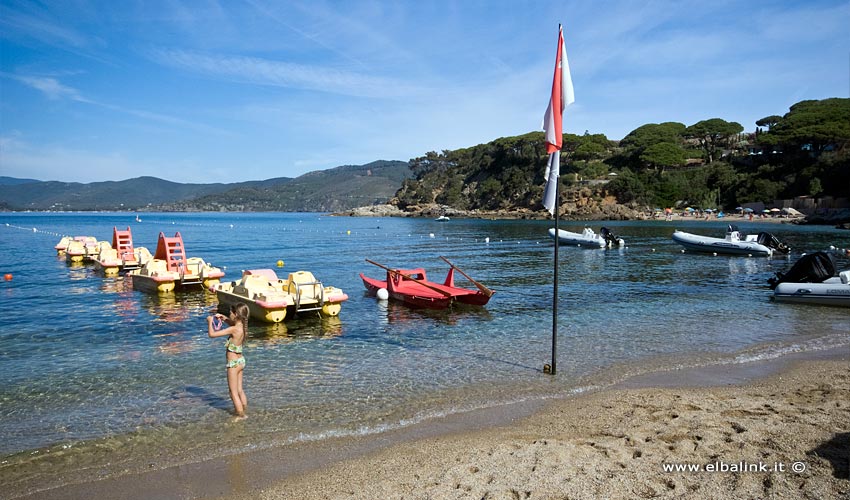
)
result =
(774, 210)
(748, 210)
(765, 211)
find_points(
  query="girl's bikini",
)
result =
(235, 349)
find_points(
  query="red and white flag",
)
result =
(562, 96)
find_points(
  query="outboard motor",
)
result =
(611, 240)
(773, 242)
(810, 268)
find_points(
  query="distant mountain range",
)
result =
(339, 188)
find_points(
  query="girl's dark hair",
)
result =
(242, 312)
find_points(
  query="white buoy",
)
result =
(383, 294)
(431, 235)
(487, 240)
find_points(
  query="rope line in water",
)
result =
(429, 236)
(36, 230)
(346, 233)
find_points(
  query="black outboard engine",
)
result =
(810, 268)
(611, 240)
(773, 242)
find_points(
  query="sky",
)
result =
(226, 91)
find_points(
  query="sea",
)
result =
(100, 380)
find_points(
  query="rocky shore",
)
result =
(606, 212)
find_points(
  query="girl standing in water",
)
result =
(236, 332)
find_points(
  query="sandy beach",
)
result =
(776, 429)
(787, 436)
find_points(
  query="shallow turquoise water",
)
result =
(91, 365)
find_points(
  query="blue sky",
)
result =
(227, 91)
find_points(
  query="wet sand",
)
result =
(756, 430)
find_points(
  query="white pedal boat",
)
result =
(762, 244)
(587, 238)
(270, 299)
(169, 269)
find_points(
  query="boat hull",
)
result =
(424, 294)
(262, 311)
(418, 300)
(152, 284)
(75, 258)
(831, 292)
(577, 239)
(108, 268)
(706, 244)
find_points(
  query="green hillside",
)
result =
(111, 195)
(330, 190)
(327, 190)
(10, 181)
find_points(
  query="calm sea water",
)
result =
(98, 378)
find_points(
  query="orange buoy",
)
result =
(7, 277)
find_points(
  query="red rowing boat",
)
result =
(412, 287)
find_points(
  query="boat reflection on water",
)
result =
(116, 285)
(125, 303)
(178, 307)
(743, 266)
(297, 329)
(396, 312)
(273, 332)
(78, 271)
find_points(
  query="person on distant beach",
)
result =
(236, 332)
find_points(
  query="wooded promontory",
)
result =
(709, 164)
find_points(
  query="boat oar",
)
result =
(486, 291)
(411, 278)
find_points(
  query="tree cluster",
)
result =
(710, 164)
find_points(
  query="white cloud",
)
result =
(50, 87)
(259, 71)
(38, 24)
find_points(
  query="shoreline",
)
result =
(379, 211)
(611, 213)
(449, 456)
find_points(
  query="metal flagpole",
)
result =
(562, 95)
(557, 244)
(555, 282)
